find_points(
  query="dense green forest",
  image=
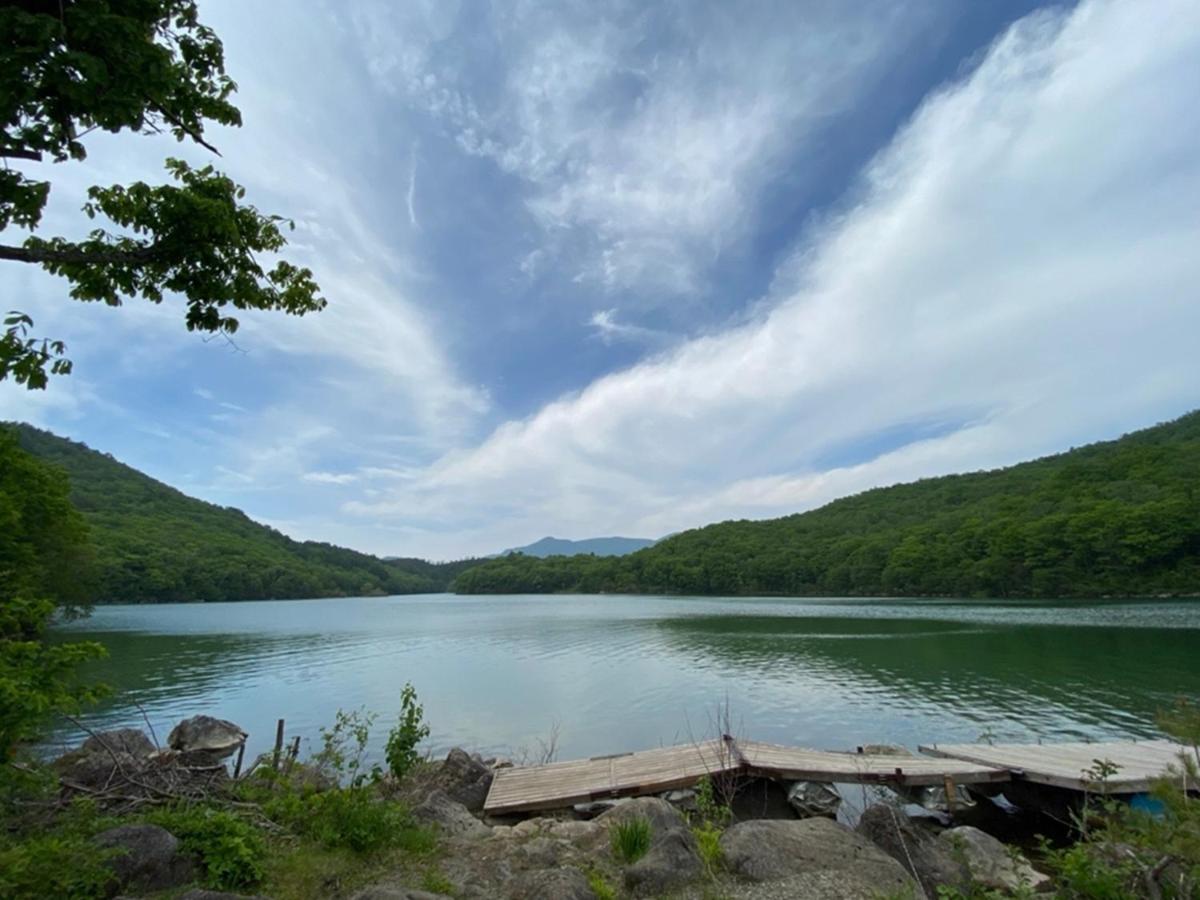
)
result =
(152, 543)
(1114, 518)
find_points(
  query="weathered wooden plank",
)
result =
(858, 768)
(1064, 765)
(556, 785)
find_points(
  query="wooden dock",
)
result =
(1072, 765)
(557, 785)
(562, 784)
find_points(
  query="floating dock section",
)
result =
(1138, 764)
(557, 785)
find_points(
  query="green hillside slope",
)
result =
(155, 544)
(1114, 518)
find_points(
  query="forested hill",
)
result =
(1114, 518)
(155, 544)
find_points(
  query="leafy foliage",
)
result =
(53, 865)
(1114, 518)
(708, 823)
(154, 544)
(410, 730)
(630, 839)
(42, 546)
(230, 850)
(74, 67)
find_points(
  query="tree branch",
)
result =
(18, 153)
(190, 132)
(71, 255)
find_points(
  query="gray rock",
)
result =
(389, 892)
(123, 740)
(815, 850)
(671, 861)
(814, 798)
(97, 769)
(917, 849)
(663, 817)
(214, 738)
(991, 863)
(594, 808)
(543, 852)
(203, 894)
(147, 858)
(550, 884)
(450, 816)
(575, 831)
(465, 778)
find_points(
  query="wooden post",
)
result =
(293, 752)
(948, 783)
(278, 745)
(237, 766)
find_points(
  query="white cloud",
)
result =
(329, 477)
(1020, 262)
(649, 158)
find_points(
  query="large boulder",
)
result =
(661, 815)
(465, 778)
(146, 857)
(992, 864)
(544, 884)
(837, 861)
(205, 894)
(104, 758)
(122, 740)
(450, 816)
(671, 861)
(205, 739)
(917, 849)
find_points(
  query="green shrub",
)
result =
(410, 730)
(344, 748)
(708, 842)
(230, 850)
(631, 839)
(435, 882)
(54, 865)
(600, 886)
(354, 818)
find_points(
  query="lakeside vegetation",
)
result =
(150, 543)
(1115, 518)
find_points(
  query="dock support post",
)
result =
(948, 783)
(278, 745)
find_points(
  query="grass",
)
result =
(631, 839)
(600, 885)
(435, 882)
(708, 842)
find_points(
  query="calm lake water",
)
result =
(627, 673)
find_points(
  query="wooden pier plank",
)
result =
(1063, 765)
(798, 764)
(556, 785)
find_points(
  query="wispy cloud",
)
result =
(329, 477)
(609, 329)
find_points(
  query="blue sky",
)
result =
(631, 268)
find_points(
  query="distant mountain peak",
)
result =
(601, 546)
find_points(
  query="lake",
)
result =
(617, 673)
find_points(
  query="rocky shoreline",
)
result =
(767, 852)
